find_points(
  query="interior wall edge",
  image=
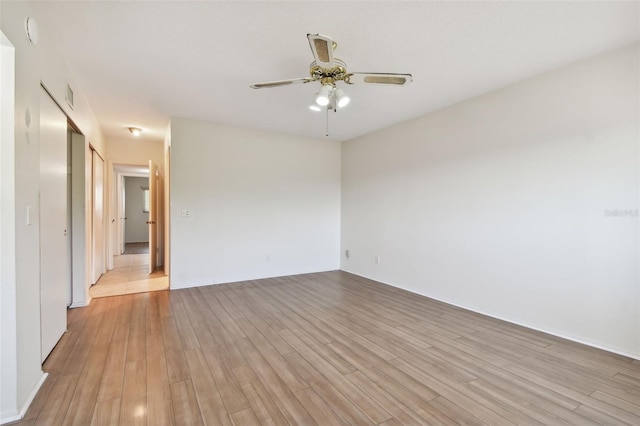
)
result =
(8, 283)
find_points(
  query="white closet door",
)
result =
(53, 222)
(98, 248)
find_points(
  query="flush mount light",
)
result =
(135, 131)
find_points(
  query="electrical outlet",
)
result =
(185, 213)
(346, 254)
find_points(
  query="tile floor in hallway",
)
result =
(130, 274)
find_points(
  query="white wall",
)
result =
(136, 229)
(261, 204)
(33, 64)
(8, 337)
(135, 152)
(499, 204)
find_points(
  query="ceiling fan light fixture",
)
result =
(327, 70)
(324, 94)
(314, 104)
(135, 131)
(342, 100)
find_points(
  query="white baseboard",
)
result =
(80, 304)
(231, 280)
(9, 417)
(15, 417)
(529, 326)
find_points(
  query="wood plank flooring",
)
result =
(130, 274)
(328, 349)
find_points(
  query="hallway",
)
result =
(130, 275)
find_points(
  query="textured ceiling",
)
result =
(140, 63)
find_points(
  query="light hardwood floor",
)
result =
(327, 348)
(130, 275)
(136, 248)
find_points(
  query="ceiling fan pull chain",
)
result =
(327, 123)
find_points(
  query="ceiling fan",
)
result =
(328, 70)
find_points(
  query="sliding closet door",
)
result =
(53, 223)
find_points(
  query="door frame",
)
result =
(118, 171)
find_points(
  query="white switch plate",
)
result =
(377, 259)
(29, 214)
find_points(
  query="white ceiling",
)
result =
(140, 63)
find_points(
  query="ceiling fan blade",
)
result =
(378, 78)
(280, 83)
(322, 49)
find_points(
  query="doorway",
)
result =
(136, 214)
(134, 217)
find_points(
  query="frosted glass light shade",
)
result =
(341, 99)
(323, 95)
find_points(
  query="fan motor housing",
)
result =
(328, 75)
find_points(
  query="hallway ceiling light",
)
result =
(135, 131)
